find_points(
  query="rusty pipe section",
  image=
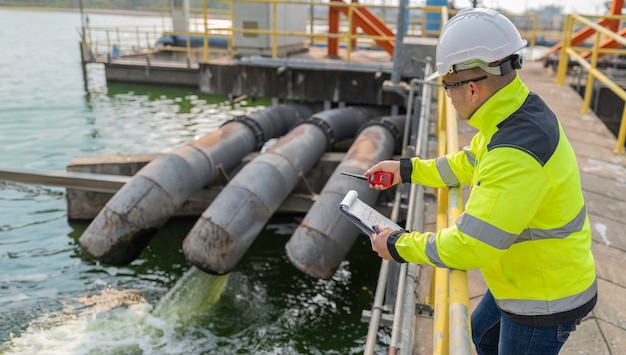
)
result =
(325, 237)
(238, 214)
(126, 224)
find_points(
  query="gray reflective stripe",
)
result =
(471, 158)
(485, 232)
(501, 239)
(431, 250)
(446, 173)
(544, 307)
(572, 226)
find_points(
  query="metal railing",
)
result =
(122, 40)
(577, 53)
(74, 180)
(449, 288)
(213, 24)
(449, 295)
(402, 325)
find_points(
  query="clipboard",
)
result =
(363, 215)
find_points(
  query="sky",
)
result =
(584, 7)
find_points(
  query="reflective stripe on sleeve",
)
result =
(471, 158)
(431, 250)
(485, 232)
(446, 173)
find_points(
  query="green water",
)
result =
(56, 300)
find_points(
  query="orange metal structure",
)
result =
(362, 18)
(583, 34)
(607, 43)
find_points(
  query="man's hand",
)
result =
(390, 166)
(380, 241)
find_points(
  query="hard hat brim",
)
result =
(434, 76)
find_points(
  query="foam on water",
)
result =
(122, 322)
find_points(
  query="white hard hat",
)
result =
(475, 37)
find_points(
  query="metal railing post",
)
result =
(397, 55)
(350, 25)
(458, 302)
(205, 40)
(108, 47)
(138, 38)
(563, 57)
(377, 308)
(594, 64)
(460, 341)
(274, 30)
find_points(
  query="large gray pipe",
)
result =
(238, 214)
(126, 224)
(325, 237)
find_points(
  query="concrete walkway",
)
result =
(603, 176)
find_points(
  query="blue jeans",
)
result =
(494, 333)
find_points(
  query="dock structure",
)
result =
(306, 76)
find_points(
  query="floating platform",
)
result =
(310, 76)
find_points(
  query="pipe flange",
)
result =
(325, 127)
(390, 126)
(254, 126)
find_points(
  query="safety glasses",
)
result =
(449, 86)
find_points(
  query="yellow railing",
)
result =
(568, 51)
(131, 40)
(140, 40)
(449, 288)
(128, 41)
(344, 36)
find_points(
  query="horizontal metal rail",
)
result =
(460, 342)
(451, 333)
(74, 180)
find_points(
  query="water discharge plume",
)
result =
(196, 291)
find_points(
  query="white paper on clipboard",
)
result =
(363, 215)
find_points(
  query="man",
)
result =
(525, 225)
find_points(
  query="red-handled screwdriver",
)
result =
(382, 178)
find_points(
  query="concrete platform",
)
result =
(603, 175)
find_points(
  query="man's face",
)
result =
(459, 93)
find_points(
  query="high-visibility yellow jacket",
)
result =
(525, 224)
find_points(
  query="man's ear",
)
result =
(474, 91)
